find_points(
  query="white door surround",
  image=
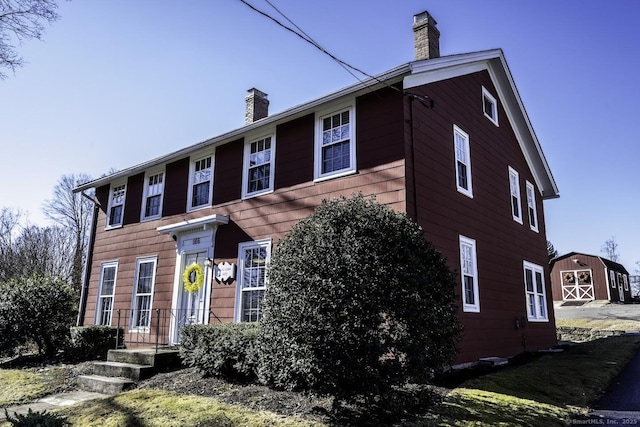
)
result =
(195, 241)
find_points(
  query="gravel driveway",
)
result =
(598, 310)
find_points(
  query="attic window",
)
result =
(489, 106)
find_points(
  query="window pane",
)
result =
(529, 279)
(468, 290)
(539, 282)
(200, 194)
(116, 215)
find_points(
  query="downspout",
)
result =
(87, 266)
(413, 161)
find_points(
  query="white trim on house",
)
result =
(240, 286)
(157, 188)
(532, 211)
(492, 115)
(99, 315)
(515, 196)
(140, 320)
(319, 145)
(535, 300)
(116, 200)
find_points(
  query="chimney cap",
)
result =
(419, 18)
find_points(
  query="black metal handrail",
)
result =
(153, 327)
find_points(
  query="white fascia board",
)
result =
(434, 70)
(215, 219)
(384, 79)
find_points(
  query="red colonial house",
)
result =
(578, 277)
(444, 139)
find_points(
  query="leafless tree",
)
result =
(9, 228)
(610, 249)
(551, 251)
(22, 20)
(72, 212)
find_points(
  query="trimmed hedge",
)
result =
(93, 342)
(223, 350)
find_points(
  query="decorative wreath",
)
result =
(193, 277)
(569, 277)
(583, 276)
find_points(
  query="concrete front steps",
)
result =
(124, 368)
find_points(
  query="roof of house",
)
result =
(412, 74)
(611, 265)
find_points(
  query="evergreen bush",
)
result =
(358, 302)
(36, 310)
(222, 350)
(93, 342)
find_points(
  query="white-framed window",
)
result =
(106, 291)
(152, 195)
(143, 293)
(489, 106)
(536, 297)
(200, 182)
(258, 176)
(469, 275)
(612, 277)
(253, 259)
(625, 280)
(531, 207)
(514, 187)
(463, 161)
(335, 144)
(115, 210)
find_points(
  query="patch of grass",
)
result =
(547, 391)
(149, 408)
(600, 324)
(22, 386)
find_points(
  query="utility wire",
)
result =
(426, 101)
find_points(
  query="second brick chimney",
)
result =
(426, 36)
(257, 106)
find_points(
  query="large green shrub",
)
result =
(36, 310)
(358, 301)
(92, 342)
(223, 350)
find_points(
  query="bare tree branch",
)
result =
(22, 20)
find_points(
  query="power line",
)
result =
(424, 100)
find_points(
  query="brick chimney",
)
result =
(426, 36)
(257, 106)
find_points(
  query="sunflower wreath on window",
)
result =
(193, 277)
(569, 277)
(584, 276)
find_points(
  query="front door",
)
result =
(191, 307)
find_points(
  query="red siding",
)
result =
(445, 214)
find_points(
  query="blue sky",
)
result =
(115, 83)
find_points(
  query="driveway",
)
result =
(598, 310)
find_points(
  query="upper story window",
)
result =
(535, 292)
(258, 166)
(612, 277)
(489, 106)
(625, 280)
(469, 275)
(531, 207)
(463, 161)
(335, 149)
(200, 183)
(514, 185)
(115, 210)
(152, 196)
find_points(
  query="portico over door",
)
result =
(195, 244)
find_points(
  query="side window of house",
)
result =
(152, 195)
(489, 106)
(115, 210)
(469, 275)
(535, 292)
(142, 292)
(106, 291)
(253, 259)
(463, 161)
(335, 149)
(514, 187)
(626, 282)
(531, 207)
(612, 276)
(258, 174)
(200, 183)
